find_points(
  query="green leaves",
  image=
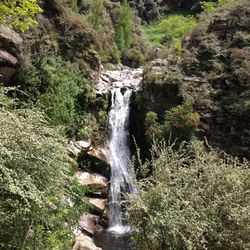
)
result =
(194, 199)
(124, 26)
(170, 30)
(62, 91)
(35, 183)
(19, 15)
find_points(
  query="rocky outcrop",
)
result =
(218, 53)
(7, 58)
(100, 152)
(96, 181)
(9, 37)
(99, 204)
(9, 47)
(84, 242)
(89, 223)
(212, 74)
(76, 147)
(120, 77)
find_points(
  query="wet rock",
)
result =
(99, 204)
(118, 77)
(99, 152)
(84, 242)
(89, 223)
(96, 181)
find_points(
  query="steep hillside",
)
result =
(212, 74)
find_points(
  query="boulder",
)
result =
(76, 147)
(99, 152)
(6, 57)
(84, 242)
(6, 74)
(9, 37)
(106, 214)
(9, 44)
(97, 181)
(99, 204)
(89, 223)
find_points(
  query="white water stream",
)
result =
(118, 143)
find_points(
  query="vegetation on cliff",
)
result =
(19, 15)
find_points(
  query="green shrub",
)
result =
(36, 183)
(153, 127)
(110, 54)
(60, 89)
(182, 121)
(169, 30)
(195, 199)
(133, 57)
(212, 6)
(19, 15)
(124, 26)
(97, 16)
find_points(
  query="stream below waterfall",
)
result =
(109, 241)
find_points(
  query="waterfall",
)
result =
(118, 144)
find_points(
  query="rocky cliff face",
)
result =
(212, 74)
(218, 52)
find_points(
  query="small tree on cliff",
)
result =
(19, 14)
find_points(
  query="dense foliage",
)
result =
(195, 199)
(123, 30)
(36, 182)
(19, 15)
(46, 80)
(170, 30)
(179, 123)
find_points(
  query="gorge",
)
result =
(91, 91)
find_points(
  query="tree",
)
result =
(19, 15)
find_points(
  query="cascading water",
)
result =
(119, 156)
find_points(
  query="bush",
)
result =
(36, 182)
(195, 199)
(169, 30)
(153, 127)
(110, 54)
(60, 89)
(133, 57)
(19, 14)
(182, 121)
(124, 26)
